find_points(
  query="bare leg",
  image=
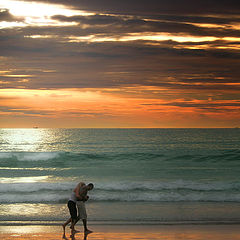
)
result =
(73, 230)
(64, 226)
(73, 222)
(72, 236)
(64, 236)
(86, 230)
(85, 236)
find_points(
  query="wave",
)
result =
(170, 185)
(121, 186)
(44, 156)
(175, 191)
(35, 187)
(46, 197)
(229, 158)
(26, 156)
(231, 155)
(169, 197)
(33, 198)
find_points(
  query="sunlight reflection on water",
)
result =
(23, 139)
(23, 179)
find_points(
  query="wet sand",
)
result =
(123, 232)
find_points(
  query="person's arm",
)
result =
(83, 193)
(86, 198)
(78, 191)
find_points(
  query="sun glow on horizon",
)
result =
(136, 106)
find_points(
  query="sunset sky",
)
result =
(128, 63)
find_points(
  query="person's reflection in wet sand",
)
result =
(72, 236)
(85, 235)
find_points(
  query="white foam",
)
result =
(29, 194)
(6, 155)
(168, 197)
(33, 156)
(33, 198)
(41, 156)
(170, 185)
(35, 187)
(55, 197)
(124, 191)
(42, 182)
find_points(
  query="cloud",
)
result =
(231, 107)
(199, 104)
(26, 112)
(5, 98)
(195, 26)
(93, 19)
(5, 15)
(144, 51)
(144, 7)
(112, 64)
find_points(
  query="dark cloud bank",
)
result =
(114, 63)
(154, 7)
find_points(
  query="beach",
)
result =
(120, 116)
(125, 232)
(148, 183)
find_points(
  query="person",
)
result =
(77, 209)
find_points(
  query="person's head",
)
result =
(90, 186)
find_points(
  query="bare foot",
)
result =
(87, 231)
(64, 237)
(72, 236)
(63, 226)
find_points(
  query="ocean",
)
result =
(141, 176)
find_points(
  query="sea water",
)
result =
(141, 176)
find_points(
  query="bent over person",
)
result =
(76, 206)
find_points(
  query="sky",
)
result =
(119, 64)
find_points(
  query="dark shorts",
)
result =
(72, 209)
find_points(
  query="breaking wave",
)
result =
(176, 191)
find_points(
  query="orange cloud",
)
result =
(106, 108)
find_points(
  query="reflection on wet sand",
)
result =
(72, 237)
(184, 232)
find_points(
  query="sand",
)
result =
(124, 232)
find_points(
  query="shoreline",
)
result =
(124, 232)
(122, 223)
